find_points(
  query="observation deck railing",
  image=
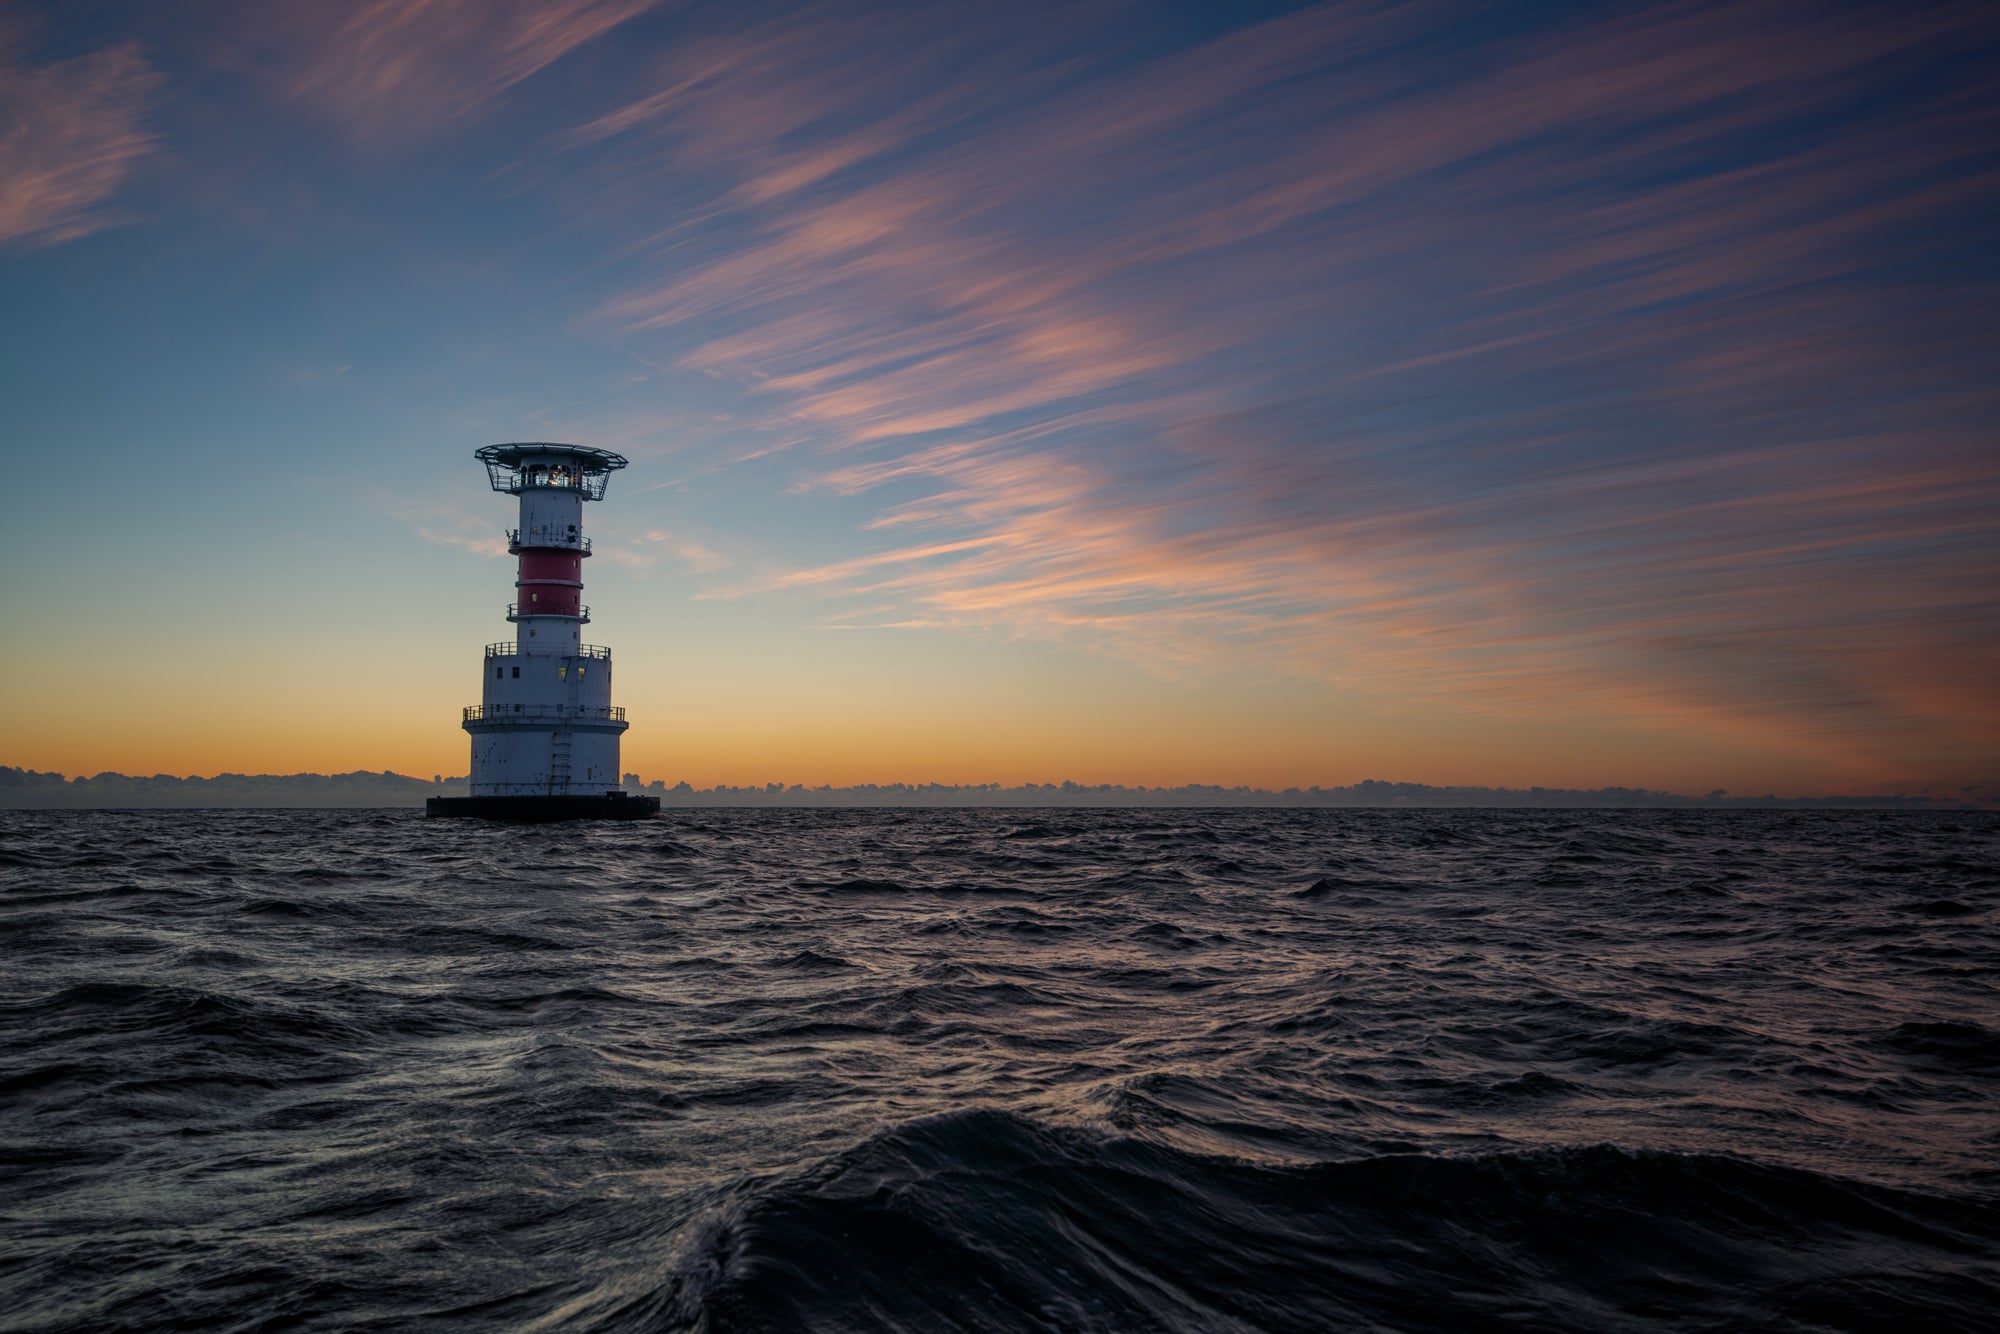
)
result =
(514, 613)
(510, 648)
(536, 713)
(532, 466)
(546, 537)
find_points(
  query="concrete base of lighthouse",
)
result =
(546, 810)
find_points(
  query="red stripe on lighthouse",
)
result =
(550, 582)
(560, 567)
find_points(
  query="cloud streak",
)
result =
(390, 72)
(1622, 368)
(71, 134)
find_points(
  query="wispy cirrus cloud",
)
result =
(648, 549)
(1788, 596)
(72, 132)
(1077, 248)
(392, 71)
(478, 546)
(1629, 366)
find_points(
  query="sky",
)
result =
(1119, 392)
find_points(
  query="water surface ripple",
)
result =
(997, 1070)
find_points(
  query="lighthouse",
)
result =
(545, 732)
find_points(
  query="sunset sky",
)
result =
(1121, 392)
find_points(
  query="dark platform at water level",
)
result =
(544, 810)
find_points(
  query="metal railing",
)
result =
(536, 467)
(510, 648)
(514, 612)
(536, 713)
(547, 537)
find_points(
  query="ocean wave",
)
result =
(981, 1220)
(992, 1070)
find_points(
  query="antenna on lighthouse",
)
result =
(545, 733)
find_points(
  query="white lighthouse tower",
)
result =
(545, 732)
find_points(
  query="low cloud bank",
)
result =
(34, 790)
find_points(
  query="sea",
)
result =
(997, 1070)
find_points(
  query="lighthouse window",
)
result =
(496, 673)
(562, 672)
(579, 671)
(517, 673)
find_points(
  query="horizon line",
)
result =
(22, 788)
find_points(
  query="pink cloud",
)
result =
(1061, 326)
(389, 71)
(71, 133)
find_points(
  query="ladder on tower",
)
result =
(559, 763)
